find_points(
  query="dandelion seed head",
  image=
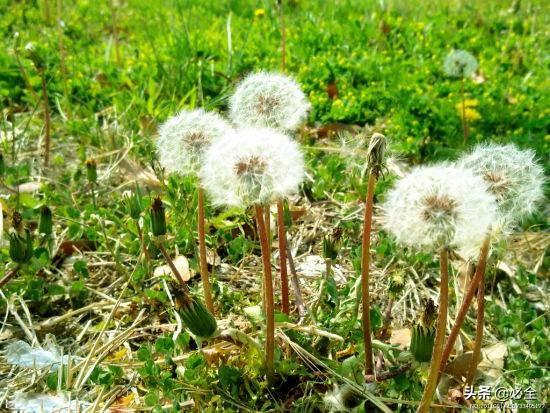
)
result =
(269, 100)
(438, 206)
(460, 63)
(513, 177)
(252, 166)
(184, 138)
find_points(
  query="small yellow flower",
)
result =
(259, 12)
(471, 114)
(337, 103)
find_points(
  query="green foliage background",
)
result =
(386, 58)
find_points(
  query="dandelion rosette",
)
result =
(460, 63)
(513, 177)
(434, 207)
(184, 138)
(252, 166)
(269, 100)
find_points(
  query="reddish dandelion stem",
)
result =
(479, 333)
(365, 273)
(268, 294)
(466, 302)
(439, 342)
(202, 254)
(281, 234)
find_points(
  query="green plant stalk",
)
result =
(207, 289)
(24, 73)
(118, 264)
(61, 47)
(281, 235)
(115, 31)
(168, 259)
(283, 35)
(9, 275)
(439, 342)
(466, 302)
(365, 273)
(322, 288)
(144, 250)
(295, 281)
(47, 15)
(464, 121)
(268, 294)
(479, 334)
(47, 121)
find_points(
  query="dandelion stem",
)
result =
(168, 259)
(464, 121)
(115, 30)
(9, 275)
(295, 280)
(62, 64)
(439, 342)
(283, 35)
(202, 254)
(365, 272)
(142, 242)
(322, 289)
(466, 302)
(47, 15)
(281, 234)
(24, 73)
(479, 333)
(268, 293)
(47, 124)
(267, 218)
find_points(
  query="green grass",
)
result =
(386, 59)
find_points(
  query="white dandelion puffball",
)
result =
(440, 206)
(513, 176)
(184, 138)
(252, 166)
(460, 63)
(269, 100)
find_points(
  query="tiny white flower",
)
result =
(440, 206)
(513, 177)
(252, 166)
(269, 100)
(184, 138)
(460, 63)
